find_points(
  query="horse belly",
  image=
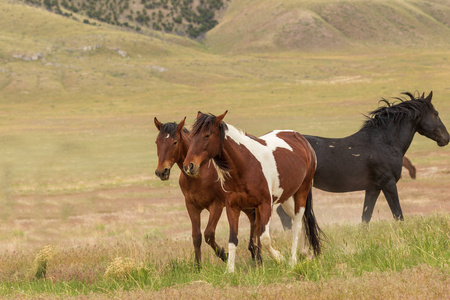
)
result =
(340, 182)
(291, 174)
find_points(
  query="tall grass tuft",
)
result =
(40, 263)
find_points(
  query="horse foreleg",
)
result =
(233, 221)
(265, 211)
(410, 167)
(194, 215)
(215, 211)
(369, 203)
(390, 192)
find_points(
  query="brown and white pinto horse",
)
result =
(257, 173)
(200, 192)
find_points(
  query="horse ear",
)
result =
(199, 114)
(180, 126)
(158, 124)
(220, 118)
(428, 98)
(423, 95)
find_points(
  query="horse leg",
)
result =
(233, 221)
(299, 200)
(369, 203)
(289, 208)
(408, 165)
(194, 215)
(251, 244)
(265, 211)
(215, 211)
(390, 192)
(286, 220)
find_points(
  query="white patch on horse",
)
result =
(168, 135)
(264, 154)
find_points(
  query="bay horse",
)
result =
(256, 173)
(371, 159)
(407, 164)
(200, 192)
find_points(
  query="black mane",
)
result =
(398, 112)
(171, 129)
(205, 122)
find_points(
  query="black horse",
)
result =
(371, 159)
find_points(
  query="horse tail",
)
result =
(313, 231)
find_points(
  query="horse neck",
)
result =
(184, 147)
(401, 134)
(232, 153)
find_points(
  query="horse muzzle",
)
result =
(443, 137)
(164, 175)
(191, 169)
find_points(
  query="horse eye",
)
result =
(174, 143)
(207, 136)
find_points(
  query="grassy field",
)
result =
(416, 249)
(77, 159)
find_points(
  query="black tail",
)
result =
(313, 231)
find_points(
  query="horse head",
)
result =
(431, 126)
(206, 141)
(168, 146)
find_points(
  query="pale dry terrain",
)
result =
(157, 213)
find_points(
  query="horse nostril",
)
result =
(166, 171)
(191, 166)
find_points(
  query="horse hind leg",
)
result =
(297, 227)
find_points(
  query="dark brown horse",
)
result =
(257, 173)
(371, 159)
(200, 192)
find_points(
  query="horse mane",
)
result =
(397, 112)
(205, 122)
(171, 129)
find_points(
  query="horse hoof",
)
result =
(278, 257)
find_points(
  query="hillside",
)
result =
(187, 17)
(260, 26)
(75, 98)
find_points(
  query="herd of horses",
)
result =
(223, 166)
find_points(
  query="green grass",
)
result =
(349, 252)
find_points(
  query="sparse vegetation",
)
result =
(162, 15)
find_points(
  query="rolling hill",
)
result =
(261, 26)
(76, 98)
